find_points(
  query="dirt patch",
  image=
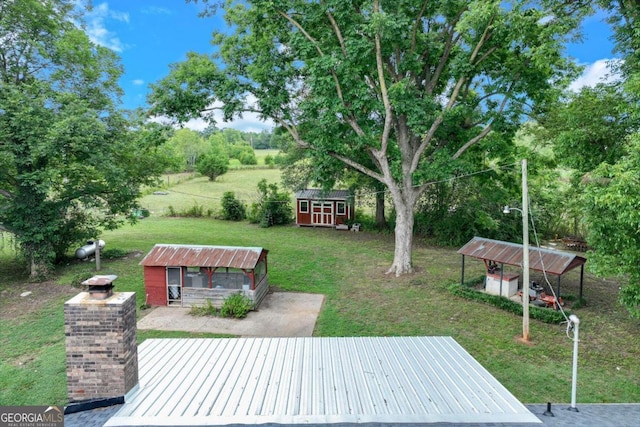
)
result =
(20, 300)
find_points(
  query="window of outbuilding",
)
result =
(304, 206)
(341, 208)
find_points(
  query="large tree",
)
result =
(410, 84)
(595, 132)
(70, 162)
(612, 200)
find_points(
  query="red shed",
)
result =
(188, 275)
(324, 208)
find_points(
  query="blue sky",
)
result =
(151, 34)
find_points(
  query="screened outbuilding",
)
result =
(188, 275)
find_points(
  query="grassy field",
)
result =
(192, 190)
(360, 301)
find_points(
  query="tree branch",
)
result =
(357, 166)
(384, 138)
(338, 33)
(416, 25)
(6, 194)
(453, 98)
(452, 39)
(486, 129)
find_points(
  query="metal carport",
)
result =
(507, 253)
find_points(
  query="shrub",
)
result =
(272, 208)
(113, 253)
(237, 306)
(545, 315)
(232, 208)
(248, 158)
(204, 310)
(213, 164)
(195, 211)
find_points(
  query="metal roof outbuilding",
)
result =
(291, 381)
(545, 260)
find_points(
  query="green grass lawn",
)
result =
(360, 301)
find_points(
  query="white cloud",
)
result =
(250, 122)
(97, 28)
(598, 72)
(138, 82)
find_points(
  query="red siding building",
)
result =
(324, 208)
(188, 275)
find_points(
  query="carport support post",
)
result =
(462, 276)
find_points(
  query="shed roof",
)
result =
(312, 380)
(167, 255)
(317, 194)
(551, 261)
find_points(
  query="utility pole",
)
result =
(525, 253)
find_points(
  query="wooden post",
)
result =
(97, 242)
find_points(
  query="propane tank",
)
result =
(88, 249)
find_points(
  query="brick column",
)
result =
(102, 352)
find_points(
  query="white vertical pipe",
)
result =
(574, 380)
(525, 253)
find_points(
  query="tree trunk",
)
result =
(381, 220)
(38, 270)
(403, 235)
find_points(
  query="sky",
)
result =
(149, 35)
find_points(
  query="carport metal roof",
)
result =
(312, 380)
(545, 260)
(553, 262)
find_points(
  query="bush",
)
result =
(545, 315)
(232, 208)
(113, 253)
(269, 161)
(213, 164)
(195, 211)
(237, 306)
(273, 207)
(248, 158)
(204, 310)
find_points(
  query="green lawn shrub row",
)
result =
(545, 315)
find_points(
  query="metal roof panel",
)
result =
(551, 261)
(317, 194)
(168, 255)
(314, 380)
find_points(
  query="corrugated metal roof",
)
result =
(292, 381)
(202, 256)
(554, 262)
(316, 194)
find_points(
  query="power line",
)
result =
(373, 193)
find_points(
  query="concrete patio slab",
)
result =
(281, 314)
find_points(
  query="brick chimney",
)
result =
(102, 352)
